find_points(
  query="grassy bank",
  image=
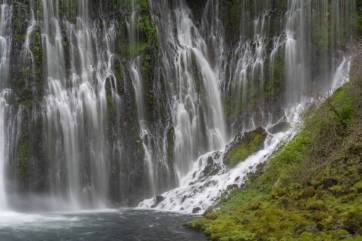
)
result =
(311, 189)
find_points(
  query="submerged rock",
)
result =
(243, 146)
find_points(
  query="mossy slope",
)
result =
(311, 189)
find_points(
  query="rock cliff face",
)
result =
(105, 103)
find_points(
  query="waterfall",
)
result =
(5, 21)
(198, 119)
(5, 46)
(248, 61)
(296, 51)
(2, 153)
(137, 83)
(58, 102)
(307, 76)
(76, 105)
(27, 53)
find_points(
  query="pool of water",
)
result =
(120, 225)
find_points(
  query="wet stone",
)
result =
(196, 210)
(280, 127)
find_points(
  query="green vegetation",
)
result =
(20, 164)
(247, 145)
(311, 189)
(358, 18)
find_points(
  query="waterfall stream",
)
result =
(137, 83)
(5, 46)
(76, 106)
(198, 122)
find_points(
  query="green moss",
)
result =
(277, 75)
(357, 238)
(358, 186)
(37, 50)
(250, 143)
(357, 21)
(20, 164)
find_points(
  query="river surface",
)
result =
(120, 225)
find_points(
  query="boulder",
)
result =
(280, 127)
(243, 146)
(196, 210)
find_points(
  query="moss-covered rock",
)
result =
(243, 146)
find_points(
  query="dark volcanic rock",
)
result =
(280, 127)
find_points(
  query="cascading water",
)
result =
(137, 83)
(295, 51)
(198, 119)
(5, 46)
(76, 107)
(2, 153)
(249, 57)
(27, 53)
